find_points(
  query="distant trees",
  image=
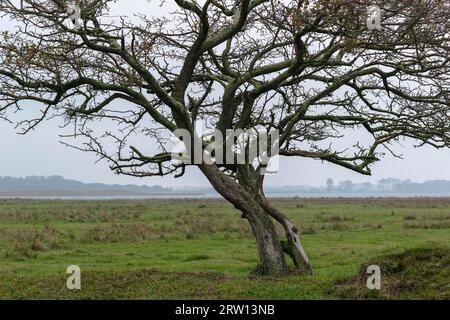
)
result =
(346, 185)
(390, 186)
(49, 185)
(330, 184)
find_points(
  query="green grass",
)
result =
(201, 249)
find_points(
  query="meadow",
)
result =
(202, 249)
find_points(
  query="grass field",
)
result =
(201, 249)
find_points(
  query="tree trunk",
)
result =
(272, 261)
(256, 209)
(293, 245)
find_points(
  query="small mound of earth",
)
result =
(422, 273)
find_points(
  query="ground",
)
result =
(202, 249)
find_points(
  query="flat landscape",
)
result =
(202, 249)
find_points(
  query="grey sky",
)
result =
(40, 153)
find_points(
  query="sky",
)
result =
(41, 153)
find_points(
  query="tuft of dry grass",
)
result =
(88, 212)
(25, 242)
(124, 233)
(332, 218)
(197, 226)
(425, 225)
(438, 217)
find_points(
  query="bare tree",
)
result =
(313, 70)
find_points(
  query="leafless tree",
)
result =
(313, 70)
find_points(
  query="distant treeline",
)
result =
(390, 186)
(58, 183)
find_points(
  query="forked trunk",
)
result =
(272, 260)
(260, 214)
(293, 245)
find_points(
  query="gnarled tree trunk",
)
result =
(248, 197)
(293, 245)
(270, 250)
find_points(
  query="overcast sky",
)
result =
(40, 153)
